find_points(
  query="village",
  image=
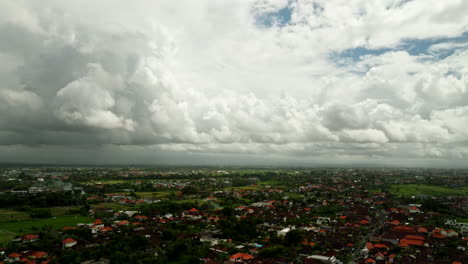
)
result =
(231, 215)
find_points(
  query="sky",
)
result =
(234, 82)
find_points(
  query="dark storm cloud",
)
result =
(157, 78)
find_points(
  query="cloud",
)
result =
(206, 78)
(20, 99)
(88, 101)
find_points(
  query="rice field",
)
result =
(415, 189)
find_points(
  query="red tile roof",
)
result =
(404, 228)
(415, 237)
(68, 240)
(39, 254)
(105, 229)
(141, 217)
(379, 254)
(30, 237)
(14, 255)
(123, 222)
(422, 230)
(380, 246)
(438, 235)
(242, 256)
(405, 242)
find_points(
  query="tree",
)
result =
(190, 190)
(293, 237)
(273, 252)
(40, 213)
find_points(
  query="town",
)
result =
(233, 215)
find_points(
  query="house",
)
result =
(463, 227)
(260, 204)
(29, 238)
(123, 223)
(442, 233)
(381, 246)
(240, 208)
(105, 229)
(379, 256)
(241, 257)
(33, 190)
(412, 240)
(39, 255)
(193, 211)
(284, 231)
(323, 259)
(422, 230)
(69, 242)
(141, 218)
(14, 257)
(322, 220)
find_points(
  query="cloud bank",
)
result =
(310, 80)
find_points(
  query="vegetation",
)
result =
(415, 189)
(168, 215)
(36, 224)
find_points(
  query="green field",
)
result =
(156, 195)
(8, 215)
(110, 181)
(9, 229)
(111, 205)
(270, 183)
(194, 200)
(414, 189)
(62, 210)
(245, 188)
(11, 215)
(6, 237)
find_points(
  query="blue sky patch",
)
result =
(414, 47)
(421, 46)
(278, 18)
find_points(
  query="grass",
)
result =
(62, 210)
(246, 188)
(294, 195)
(110, 181)
(199, 201)
(5, 237)
(156, 195)
(131, 181)
(414, 189)
(270, 183)
(111, 205)
(9, 215)
(9, 229)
